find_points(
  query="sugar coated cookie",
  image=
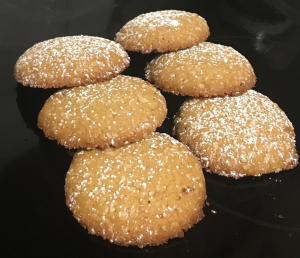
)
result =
(163, 31)
(70, 61)
(112, 113)
(237, 136)
(206, 70)
(140, 194)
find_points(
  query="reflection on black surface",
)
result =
(40, 11)
(117, 18)
(167, 247)
(253, 17)
(289, 8)
(30, 102)
(264, 24)
(173, 104)
(247, 203)
(264, 200)
(55, 155)
(247, 181)
(32, 205)
(138, 63)
(259, 201)
(256, 217)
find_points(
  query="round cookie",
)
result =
(163, 31)
(112, 113)
(236, 136)
(70, 61)
(206, 70)
(140, 194)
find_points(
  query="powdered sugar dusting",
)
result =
(206, 69)
(140, 194)
(111, 113)
(70, 61)
(238, 136)
(156, 31)
(158, 19)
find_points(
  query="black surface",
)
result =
(256, 217)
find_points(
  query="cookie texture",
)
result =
(236, 136)
(204, 70)
(140, 194)
(112, 113)
(70, 61)
(163, 31)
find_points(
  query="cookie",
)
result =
(163, 31)
(140, 194)
(112, 113)
(70, 61)
(236, 136)
(204, 70)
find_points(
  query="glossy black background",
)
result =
(256, 217)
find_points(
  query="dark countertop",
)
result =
(255, 217)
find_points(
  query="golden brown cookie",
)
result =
(70, 61)
(236, 136)
(140, 194)
(206, 70)
(112, 113)
(163, 31)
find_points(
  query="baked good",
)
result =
(70, 61)
(204, 70)
(140, 194)
(236, 136)
(112, 113)
(163, 31)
